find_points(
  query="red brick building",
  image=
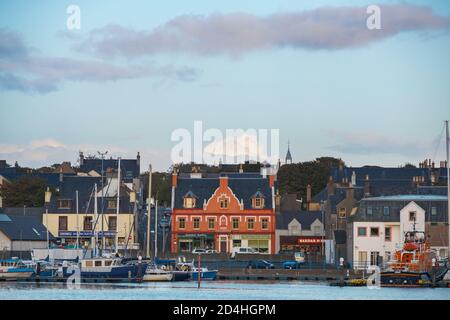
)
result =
(223, 210)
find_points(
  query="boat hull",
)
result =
(204, 275)
(129, 273)
(14, 275)
(403, 279)
(157, 277)
(181, 275)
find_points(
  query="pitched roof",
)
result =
(305, 218)
(25, 228)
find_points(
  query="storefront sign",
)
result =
(85, 234)
(309, 240)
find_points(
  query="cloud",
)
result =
(21, 69)
(373, 144)
(234, 34)
(45, 152)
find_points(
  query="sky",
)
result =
(136, 71)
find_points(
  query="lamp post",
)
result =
(48, 196)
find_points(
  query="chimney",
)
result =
(350, 193)
(308, 193)
(81, 158)
(341, 165)
(330, 187)
(366, 186)
(353, 178)
(432, 165)
(138, 161)
(174, 178)
(224, 181)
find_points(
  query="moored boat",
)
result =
(153, 273)
(205, 274)
(15, 269)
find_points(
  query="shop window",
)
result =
(189, 202)
(251, 224)
(87, 223)
(62, 223)
(211, 223)
(362, 231)
(237, 243)
(412, 216)
(112, 223)
(264, 223)
(64, 204)
(374, 232)
(387, 234)
(196, 223)
(342, 212)
(112, 204)
(235, 222)
(182, 223)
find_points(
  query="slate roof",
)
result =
(52, 179)
(130, 167)
(243, 187)
(306, 218)
(25, 228)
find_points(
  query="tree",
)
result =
(161, 187)
(294, 178)
(25, 191)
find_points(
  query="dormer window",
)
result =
(224, 202)
(64, 204)
(258, 200)
(189, 200)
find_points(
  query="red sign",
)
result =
(309, 240)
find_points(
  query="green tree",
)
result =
(161, 187)
(25, 191)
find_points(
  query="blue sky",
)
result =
(368, 101)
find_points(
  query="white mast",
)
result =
(95, 219)
(156, 227)
(78, 223)
(149, 209)
(447, 141)
(117, 208)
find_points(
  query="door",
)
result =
(362, 259)
(223, 244)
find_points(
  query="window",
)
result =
(342, 212)
(112, 204)
(374, 232)
(224, 203)
(211, 223)
(108, 263)
(251, 224)
(265, 224)
(412, 216)
(98, 263)
(258, 203)
(362, 231)
(87, 223)
(182, 223)
(317, 230)
(196, 223)
(89, 263)
(385, 211)
(235, 223)
(387, 234)
(62, 223)
(112, 223)
(64, 204)
(387, 256)
(433, 211)
(369, 211)
(374, 258)
(189, 202)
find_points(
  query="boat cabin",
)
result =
(99, 262)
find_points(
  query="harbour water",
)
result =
(220, 290)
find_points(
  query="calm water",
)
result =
(221, 290)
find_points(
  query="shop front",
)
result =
(189, 242)
(262, 242)
(312, 247)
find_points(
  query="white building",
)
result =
(380, 225)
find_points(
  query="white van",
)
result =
(243, 250)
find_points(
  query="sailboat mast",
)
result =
(447, 141)
(149, 209)
(95, 219)
(117, 208)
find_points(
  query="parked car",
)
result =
(211, 251)
(260, 264)
(292, 265)
(243, 250)
(198, 251)
(299, 257)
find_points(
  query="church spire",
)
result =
(288, 159)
